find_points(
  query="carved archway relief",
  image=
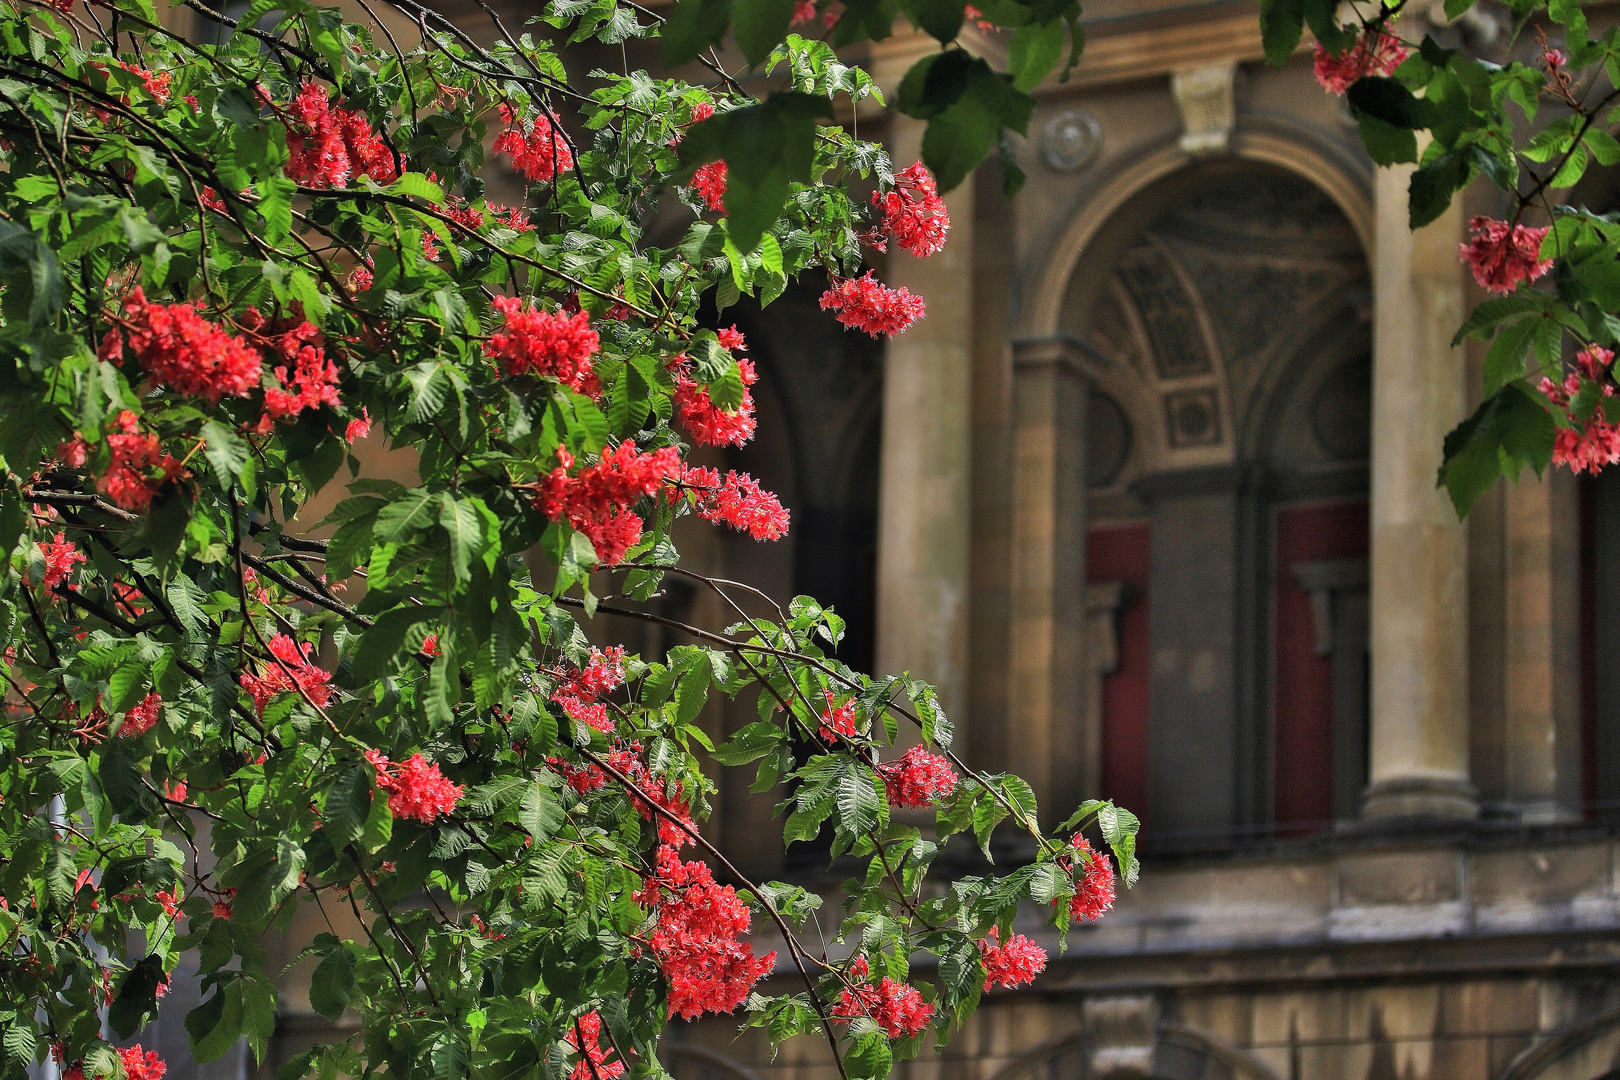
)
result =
(1339, 179)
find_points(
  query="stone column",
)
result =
(1419, 752)
(1046, 739)
(1542, 735)
(924, 514)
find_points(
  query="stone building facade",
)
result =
(1151, 496)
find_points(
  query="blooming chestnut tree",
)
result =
(232, 269)
(1533, 127)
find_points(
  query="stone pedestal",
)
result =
(1419, 745)
(1046, 740)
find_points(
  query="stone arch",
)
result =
(1586, 1049)
(1322, 162)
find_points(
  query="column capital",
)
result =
(1059, 350)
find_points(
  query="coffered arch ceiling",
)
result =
(1218, 302)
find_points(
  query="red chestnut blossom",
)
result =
(359, 427)
(142, 1064)
(709, 181)
(864, 303)
(294, 661)
(539, 151)
(696, 940)
(895, 1007)
(314, 383)
(139, 466)
(597, 501)
(170, 902)
(174, 790)
(142, 717)
(579, 689)
(976, 16)
(913, 213)
(918, 779)
(1012, 964)
(184, 351)
(593, 1063)
(222, 908)
(1594, 444)
(839, 719)
(60, 556)
(558, 346)
(1094, 883)
(1337, 73)
(511, 217)
(708, 424)
(416, 788)
(329, 146)
(804, 11)
(74, 452)
(360, 278)
(156, 85)
(588, 778)
(1501, 255)
(738, 501)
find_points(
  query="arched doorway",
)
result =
(1225, 313)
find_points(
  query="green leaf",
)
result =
(1387, 100)
(1282, 24)
(136, 997)
(382, 642)
(966, 105)
(33, 278)
(332, 984)
(419, 185)
(348, 803)
(258, 1015)
(472, 530)
(691, 27)
(766, 147)
(215, 1024)
(1505, 360)
(540, 813)
(940, 19)
(449, 1056)
(1509, 430)
(399, 522)
(1033, 52)
(861, 805)
(227, 452)
(759, 25)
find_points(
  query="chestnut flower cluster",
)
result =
(1591, 444)
(866, 304)
(329, 146)
(580, 688)
(897, 1008)
(290, 670)
(415, 787)
(537, 149)
(1502, 255)
(554, 345)
(1376, 52)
